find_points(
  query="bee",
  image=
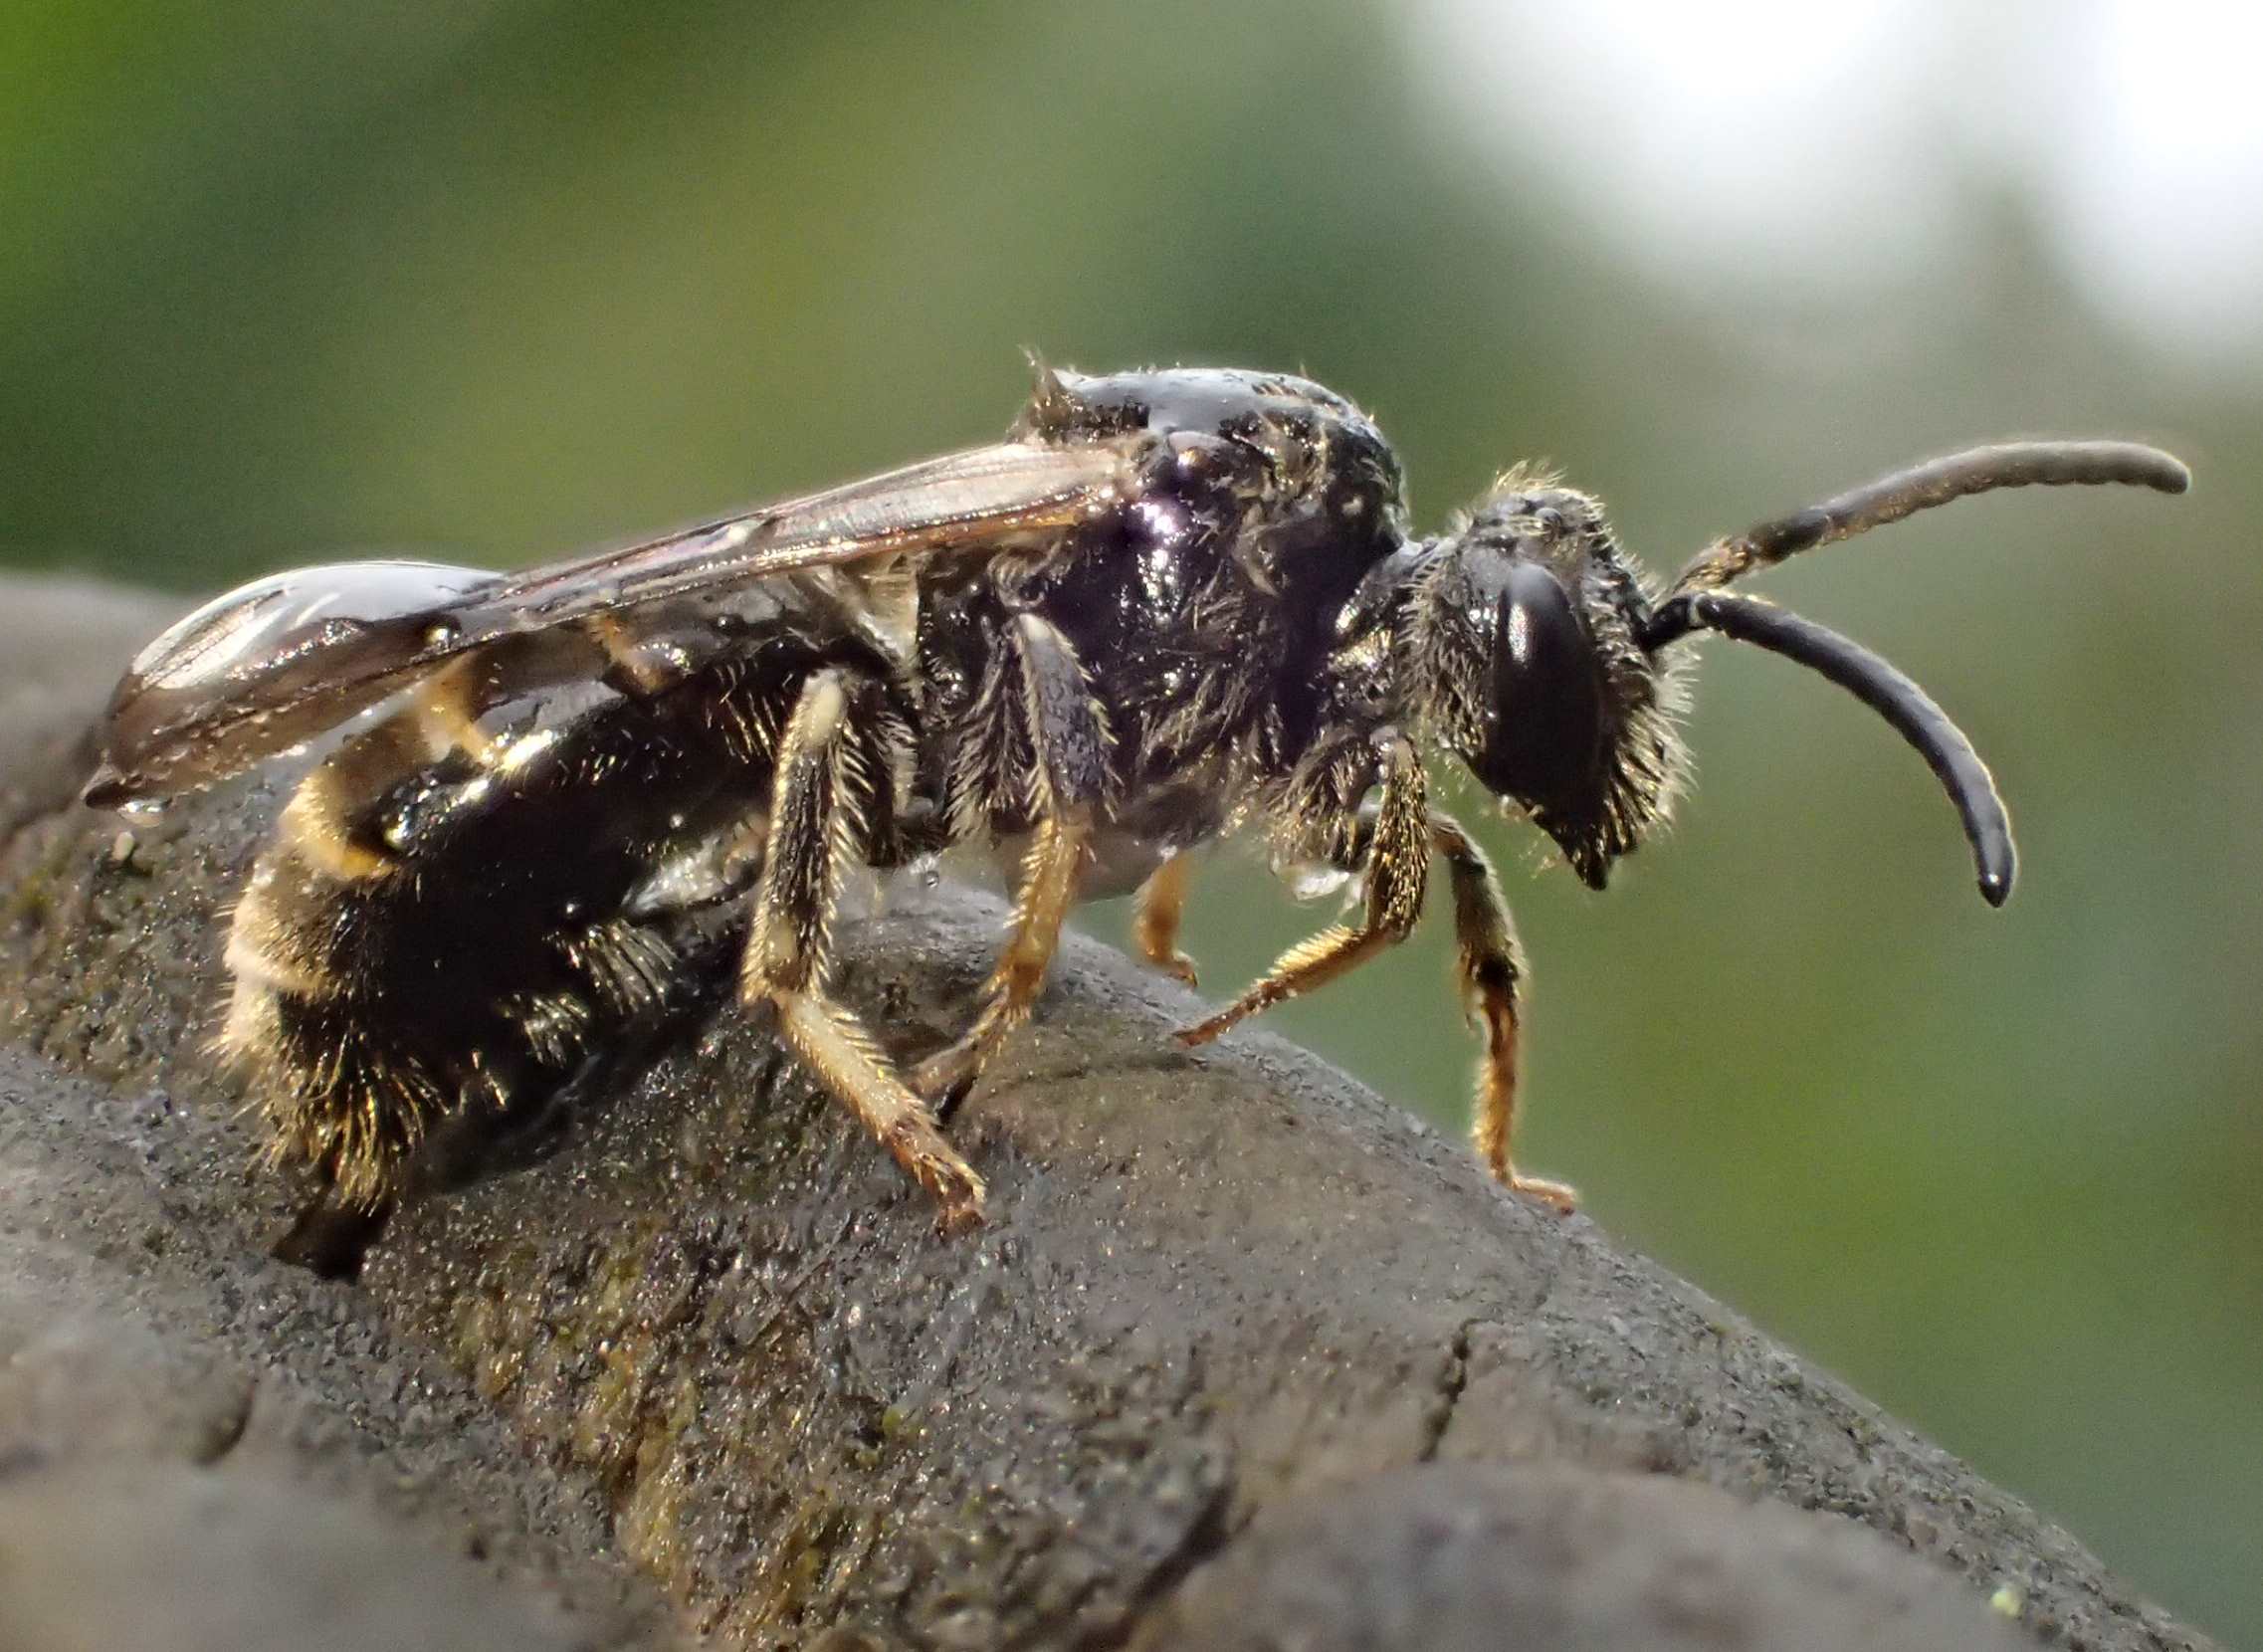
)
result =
(1169, 607)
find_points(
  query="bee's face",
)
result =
(1528, 667)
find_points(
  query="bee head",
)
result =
(1523, 655)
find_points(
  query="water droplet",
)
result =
(142, 808)
(1314, 881)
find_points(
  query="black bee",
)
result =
(1168, 607)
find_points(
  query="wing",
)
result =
(280, 661)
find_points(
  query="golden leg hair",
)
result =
(318, 823)
(1155, 920)
(815, 816)
(1398, 872)
(1488, 967)
(1048, 889)
(1406, 835)
(1042, 688)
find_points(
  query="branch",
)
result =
(1245, 1357)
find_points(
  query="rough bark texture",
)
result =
(1245, 1358)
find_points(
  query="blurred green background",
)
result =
(503, 278)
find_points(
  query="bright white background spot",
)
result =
(1778, 143)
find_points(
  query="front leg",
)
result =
(1038, 697)
(1405, 835)
(1489, 969)
(1398, 873)
(820, 801)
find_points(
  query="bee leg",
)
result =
(636, 668)
(1489, 967)
(1155, 920)
(1067, 775)
(819, 803)
(331, 1237)
(1048, 889)
(1398, 871)
(438, 721)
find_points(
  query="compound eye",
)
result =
(1544, 732)
(1551, 519)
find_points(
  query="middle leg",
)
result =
(1038, 702)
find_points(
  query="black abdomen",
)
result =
(460, 939)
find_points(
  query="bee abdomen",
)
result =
(364, 1016)
(458, 939)
(336, 1089)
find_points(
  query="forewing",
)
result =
(285, 658)
(269, 665)
(983, 500)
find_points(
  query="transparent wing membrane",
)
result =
(279, 661)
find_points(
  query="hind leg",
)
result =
(821, 804)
